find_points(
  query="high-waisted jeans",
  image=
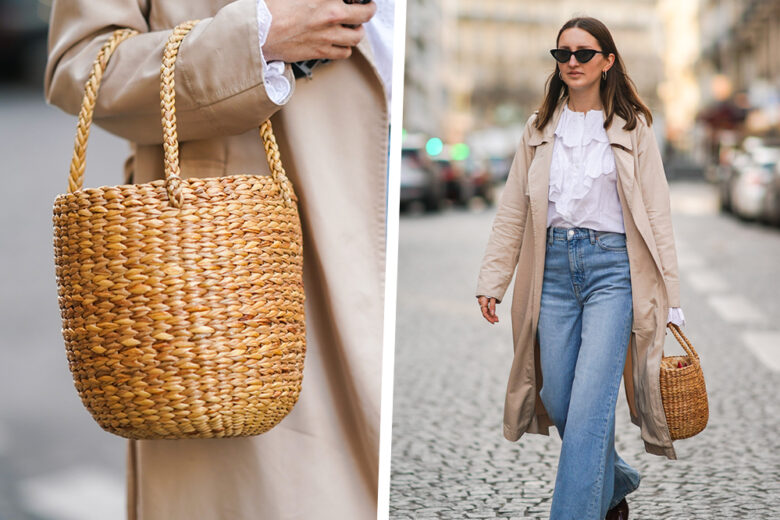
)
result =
(584, 331)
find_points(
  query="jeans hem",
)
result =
(616, 502)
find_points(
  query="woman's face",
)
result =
(582, 76)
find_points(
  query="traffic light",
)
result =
(434, 146)
(460, 151)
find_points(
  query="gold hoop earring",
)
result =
(559, 76)
(604, 75)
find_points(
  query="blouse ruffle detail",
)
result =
(277, 86)
(581, 154)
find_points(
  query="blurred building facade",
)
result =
(425, 96)
(494, 57)
(740, 59)
(680, 91)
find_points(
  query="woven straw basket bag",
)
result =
(683, 392)
(181, 299)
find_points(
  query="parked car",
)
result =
(481, 180)
(771, 209)
(752, 177)
(435, 180)
(420, 183)
(726, 173)
(458, 188)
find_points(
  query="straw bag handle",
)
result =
(78, 162)
(682, 340)
(170, 136)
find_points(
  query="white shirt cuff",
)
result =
(676, 316)
(276, 84)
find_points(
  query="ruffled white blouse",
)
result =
(583, 177)
(583, 180)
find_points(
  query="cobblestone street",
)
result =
(449, 458)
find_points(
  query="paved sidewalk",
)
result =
(449, 458)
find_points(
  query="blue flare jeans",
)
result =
(584, 331)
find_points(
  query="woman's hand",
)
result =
(488, 307)
(314, 29)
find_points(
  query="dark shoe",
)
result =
(619, 512)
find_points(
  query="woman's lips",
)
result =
(575, 73)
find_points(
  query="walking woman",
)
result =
(585, 222)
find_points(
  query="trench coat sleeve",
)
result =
(219, 74)
(503, 248)
(655, 193)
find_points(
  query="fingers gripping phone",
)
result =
(303, 69)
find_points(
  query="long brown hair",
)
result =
(618, 92)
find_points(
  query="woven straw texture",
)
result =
(181, 299)
(682, 390)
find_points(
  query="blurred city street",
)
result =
(449, 458)
(55, 461)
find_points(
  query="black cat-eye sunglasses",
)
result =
(582, 55)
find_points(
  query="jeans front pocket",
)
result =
(611, 241)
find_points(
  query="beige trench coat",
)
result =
(322, 460)
(517, 242)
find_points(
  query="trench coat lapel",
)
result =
(620, 140)
(625, 164)
(364, 47)
(538, 195)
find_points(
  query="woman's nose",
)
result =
(572, 61)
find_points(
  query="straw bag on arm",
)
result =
(181, 299)
(683, 392)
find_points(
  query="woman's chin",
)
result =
(579, 84)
